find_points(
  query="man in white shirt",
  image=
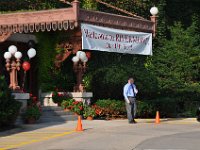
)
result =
(129, 93)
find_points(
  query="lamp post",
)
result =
(13, 64)
(154, 12)
(79, 67)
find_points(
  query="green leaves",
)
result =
(176, 63)
(26, 5)
(32, 112)
(9, 108)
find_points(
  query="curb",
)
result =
(169, 120)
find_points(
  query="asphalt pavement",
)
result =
(170, 134)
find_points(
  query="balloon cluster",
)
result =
(31, 53)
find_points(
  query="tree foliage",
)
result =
(173, 70)
(174, 67)
(24, 5)
(177, 62)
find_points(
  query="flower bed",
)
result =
(89, 112)
(110, 109)
(74, 106)
(58, 97)
(33, 110)
(105, 108)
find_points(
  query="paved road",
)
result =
(115, 135)
(181, 141)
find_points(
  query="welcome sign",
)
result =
(114, 40)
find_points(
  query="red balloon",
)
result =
(26, 66)
(88, 54)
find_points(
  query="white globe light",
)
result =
(31, 53)
(78, 53)
(82, 56)
(85, 60)
(154, 11)
(7, 55)
(18, 55)
(12, 49)
(75, 59)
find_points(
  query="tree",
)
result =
(177, 63)
(24, 5)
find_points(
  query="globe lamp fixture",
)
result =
(13, 57)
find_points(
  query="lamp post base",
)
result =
(15, 88)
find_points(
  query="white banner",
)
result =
(114, 40)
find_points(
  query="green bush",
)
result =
(89, 112)
(58, 97)
(9, 107)
(32, 112)
(73, 105)
(168, 107)
(110, 108)
(189, 109)
(77, 107)
(67, 103)
(145, 109)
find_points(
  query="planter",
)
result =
(66, 110)
(89, 118)
(76, 114)
(59, 104)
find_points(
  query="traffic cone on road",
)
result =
(157, 121)
(79, 124)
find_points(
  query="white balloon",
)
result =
(82, 56)
(18, 55)
(31, 53)
(75, 59)
(12, 49)
(7, 55)
(154, 11)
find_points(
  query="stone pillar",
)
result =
(22, 97)
(76, 5)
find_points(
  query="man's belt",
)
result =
(130, 96)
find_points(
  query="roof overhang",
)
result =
(116, 21)
(69, 18)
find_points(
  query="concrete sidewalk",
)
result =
(25, 135)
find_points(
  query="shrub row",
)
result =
(9, 107)
(78, 107)
(168, 107)
(110, 108)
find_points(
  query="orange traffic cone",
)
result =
(79, 124)
(157, 121)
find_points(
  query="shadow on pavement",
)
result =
(51, 116)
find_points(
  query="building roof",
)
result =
(68, 18)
